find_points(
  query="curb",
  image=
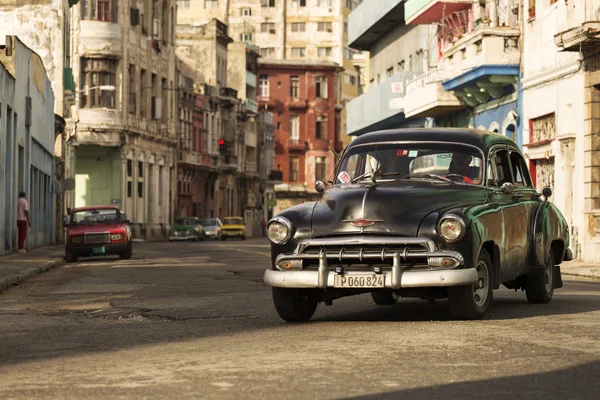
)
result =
(17, 279)
(590, 276)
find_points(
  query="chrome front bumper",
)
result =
(444, 267)
(187, 237)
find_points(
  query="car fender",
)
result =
(547, 225)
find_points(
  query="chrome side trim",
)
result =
(398, 280)
(365, 240)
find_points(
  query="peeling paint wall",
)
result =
(40, 25)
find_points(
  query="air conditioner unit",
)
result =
(272, 31)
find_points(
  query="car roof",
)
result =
(233, 218)
(475, 137)
(92, 208)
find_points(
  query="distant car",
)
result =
(188, 228)
(233, 227)
(98, 231)
(426, 213)
(212, 227)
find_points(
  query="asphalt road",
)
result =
(193, 320)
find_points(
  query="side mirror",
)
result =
(547, 192)
(320, 186)
(127, 222)
(507, 188)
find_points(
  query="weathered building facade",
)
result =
(26, 144)
(123, 140)
(302, 98)
(300, 30)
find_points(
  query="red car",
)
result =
(98, 231)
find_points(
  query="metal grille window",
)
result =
(324, 27)
(320, 168)
(99, 10)
(132, 90)
(211, 4)
(324, 51)
(267, 27)
(97, 72)
(298, 27)
(295, 86)
(321, 127)
(321, 86)
(294, 164)
(298, 52)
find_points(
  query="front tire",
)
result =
(384, 298)
(71, 257)
(540, 288)
(472, 301)
(294, 305)
(127, 253)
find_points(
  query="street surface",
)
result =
(193, 320)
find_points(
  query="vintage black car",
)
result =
(426, 213)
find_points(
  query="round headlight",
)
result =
(279, 230)
(452, 228)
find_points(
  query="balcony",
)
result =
(426, 97)
(251, 106)
(228, 162)
(297, 145)
(295, 103)
(267, 101)
(426, 12)
(483, 65)
(380, 107)
(251, 166)
(228, 93)
(584, 38)
(250, 78)
(371, 20)
(195, 159)
(275, 176)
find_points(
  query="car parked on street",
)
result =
(426, 213)
(97, 231)
(212, 227)
(188, 228)
(233, 227)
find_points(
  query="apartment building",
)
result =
(122, 147)
(301, 96)
(300, 30)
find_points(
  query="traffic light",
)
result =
(222, 146)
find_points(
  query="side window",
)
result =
(492, 176)
(501, 165)
(522, 178)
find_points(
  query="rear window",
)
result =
(234, 221)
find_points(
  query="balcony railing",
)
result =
(251, 105)
(251, 166)
(372, 19)
(433, 75)
(426, 97)
(295, 103)
(228, 92)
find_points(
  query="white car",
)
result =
(212, 227)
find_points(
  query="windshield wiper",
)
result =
(368, 175)
(431, 176)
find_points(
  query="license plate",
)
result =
(359, 281)
(99, 250)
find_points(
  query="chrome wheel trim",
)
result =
(480, 291)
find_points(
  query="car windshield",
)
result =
(186, 221)
(95, 217)
(432, 161)
(209, 222)
(234, 221)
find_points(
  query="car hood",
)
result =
(397, 208)
(182, 228)
(233, 226)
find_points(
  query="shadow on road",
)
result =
(559, 384)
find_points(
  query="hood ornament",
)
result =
(362, 222)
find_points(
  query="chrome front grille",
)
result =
(95, 238)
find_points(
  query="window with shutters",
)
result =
(324, 27)
(321, 86)
(295, 86)
(267, 27)
(294, 164)
(211, 4)
(321, 127)
(298, 27)
(97, 72)
(99, 10)
(267, 3)
(320, 168)
(324, 51)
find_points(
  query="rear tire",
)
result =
(540, 288)
(470, 301)
(384, 298)
(126, 255)
(294, 305)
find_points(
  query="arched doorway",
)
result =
(511, 132)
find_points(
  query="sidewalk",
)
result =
(15, 268)
(576, 268)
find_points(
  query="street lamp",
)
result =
(108, 88)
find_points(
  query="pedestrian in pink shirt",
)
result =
(22, 220)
